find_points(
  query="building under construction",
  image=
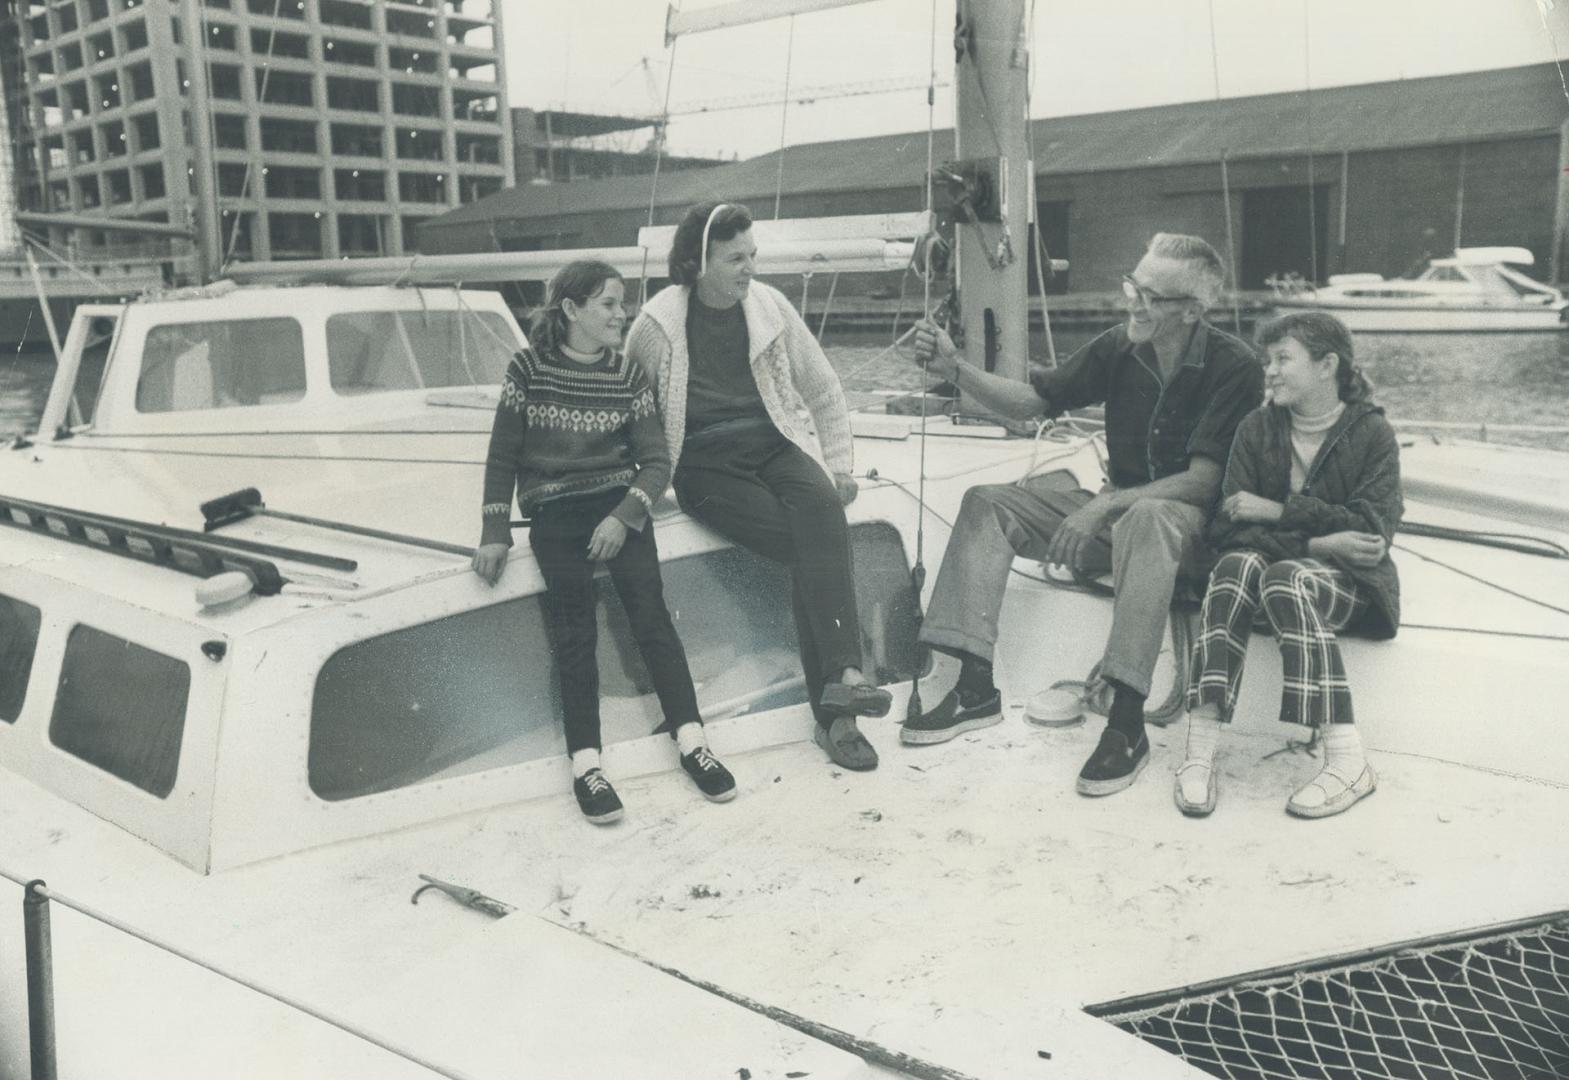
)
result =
(337, 126)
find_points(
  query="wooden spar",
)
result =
(741, 13)
(107, 224)
(990, 76)
(871, 242)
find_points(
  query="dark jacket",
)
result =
(1353, 483)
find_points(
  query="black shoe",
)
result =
(854, 699)
(1114, 765)
(950, 717)
(596, 798)
(711, 778)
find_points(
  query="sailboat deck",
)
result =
(959, 905)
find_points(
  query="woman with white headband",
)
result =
(731, 360)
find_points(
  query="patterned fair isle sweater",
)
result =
(569, 428)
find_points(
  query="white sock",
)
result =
(1203, 733)
(1343, 750)
(584, 760)
(689, 736)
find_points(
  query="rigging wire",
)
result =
(918, 571)
(1307, 78)
(68, 264)
(250, 161)
(1225, 183)
(784, 115)
(1042, 261)
(659, 157)
(199, 56)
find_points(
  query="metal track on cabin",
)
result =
(159, 545)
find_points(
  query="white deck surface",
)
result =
(960, 905)
(957, 905)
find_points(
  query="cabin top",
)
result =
(266, 358)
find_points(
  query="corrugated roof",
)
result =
(1475, 106)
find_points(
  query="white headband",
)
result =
(702, 262)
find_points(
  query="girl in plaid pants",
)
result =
(1310, 503)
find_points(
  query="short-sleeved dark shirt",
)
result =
(1153, 430)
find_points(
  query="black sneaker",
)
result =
(711, 778)
(950, 717)
(1114, 765)
(596, 798)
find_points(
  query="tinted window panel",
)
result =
(121, 707)
(477, 690)
(371, 351)
(221, 365)
(18, 642)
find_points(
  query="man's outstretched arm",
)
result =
(997, 394)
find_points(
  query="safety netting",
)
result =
(1487, 1005)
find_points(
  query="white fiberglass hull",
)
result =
(1393, 317)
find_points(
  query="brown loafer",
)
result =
(854, 699)
(846, 745)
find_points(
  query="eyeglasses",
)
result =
(1144, 297)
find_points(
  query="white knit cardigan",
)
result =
(788, 364)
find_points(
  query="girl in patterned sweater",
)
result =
(577, 437)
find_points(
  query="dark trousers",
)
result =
(559, 536)
(758, 489)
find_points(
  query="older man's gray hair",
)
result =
(1207, 270)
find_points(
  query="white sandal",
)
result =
(1211, 789)
(1331, 793)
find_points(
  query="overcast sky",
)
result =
(1088, 56)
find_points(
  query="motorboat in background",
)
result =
(1475, 290)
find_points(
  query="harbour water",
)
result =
(1501, 382)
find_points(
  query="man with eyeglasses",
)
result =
(1174, 389)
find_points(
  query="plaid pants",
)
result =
(1305, 601)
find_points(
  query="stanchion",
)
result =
(40, 981)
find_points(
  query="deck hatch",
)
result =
(1480, 1004)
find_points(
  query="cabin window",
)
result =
(220, 365)
(121, 707)
(477, 690)
(373, 351)
(18, 642)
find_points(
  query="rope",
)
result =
(784, 115)
(149, 938)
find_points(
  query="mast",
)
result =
(209, 236)
(991, 144)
